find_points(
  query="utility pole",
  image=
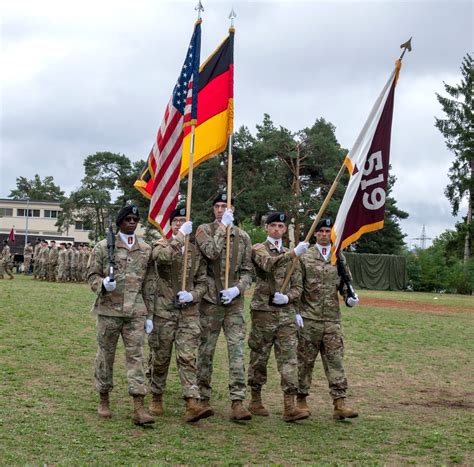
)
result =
(423, 238)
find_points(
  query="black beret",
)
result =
(125, 211)
(324, 223)
(178, 212)
(275, 217)
(220, 198)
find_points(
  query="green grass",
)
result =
(410, 376)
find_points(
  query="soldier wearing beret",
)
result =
(176, 317)
(224, 308)
(274, 318)
(124, 307)
(321, 322)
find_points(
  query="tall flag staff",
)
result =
(232, 15)
(358, 205)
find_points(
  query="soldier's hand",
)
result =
(299, 321)
(109, 285)
(184, 296)
(186, 228)
(228, 217)
(301, 248)
(229, 294)
(280, 299)
(148, 326)
(351, 302)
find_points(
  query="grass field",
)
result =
(409, 360)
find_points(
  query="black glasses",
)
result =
(131, 219)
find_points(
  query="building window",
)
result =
(79, 225)
(31, 212)
(51, 214)
(6, 212)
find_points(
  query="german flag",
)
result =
(215, 114)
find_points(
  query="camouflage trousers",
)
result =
(6, 268)
(231, 319)
(278, 330)
(52, 271)
(27, 264)
(62, 273)
(183, 331)
(43, 270)
(323, 337)
(73, 273)
(2, 268)
(132, 330)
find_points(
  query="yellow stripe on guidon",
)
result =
(348, 164)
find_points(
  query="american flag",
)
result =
(180, 112)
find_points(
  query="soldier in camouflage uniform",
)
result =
(62, 262)
(27, 256)
(176, 317)
(224, 308)
(37, 250)
(67, 262)
(87, 253)
(74, 263)
(124, 307)
(53, 262)
(6, 260)
(321, 331)
(274, 318)
(43, 260)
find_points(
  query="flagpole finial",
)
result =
(199, 8)
(232, 15)
(406, 46)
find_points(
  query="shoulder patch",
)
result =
(258, 247)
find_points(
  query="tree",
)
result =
(457, 129)
(37, 189)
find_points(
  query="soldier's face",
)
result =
(276, 230)
(177, 223)
(219, 209)
(323, 236)
(129, 224)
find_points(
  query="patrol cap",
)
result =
(220, 198)
(275, 217)
(324, 223)
(178, 212)
(125, 211)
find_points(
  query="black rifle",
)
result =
(110, 250)
(345, 278)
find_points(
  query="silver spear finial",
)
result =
(199, 8)
(232, 15)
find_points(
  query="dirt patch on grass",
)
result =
(414, 306)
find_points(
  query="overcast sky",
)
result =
(89, 76)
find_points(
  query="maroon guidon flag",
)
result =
(11, 235)
(363, 206)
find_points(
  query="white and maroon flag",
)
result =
(363, 206)
(167, 150)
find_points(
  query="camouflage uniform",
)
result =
(53, 263)
(6, 260)
(36, 265)
(172, 324)
(271, 324)
(27, 256)
(62, 264)
(87, 254)
(43, 262)
(74, 263)
(211, 240)
(322, 331)
(67, 263)
(122, 311)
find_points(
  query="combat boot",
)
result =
(256, 406)
(195, 411)
(291, 412)
(341, 411)
(204, 403)
(140, 417)
(104, 406)
(156, 406)
(239, 412)
(301, 403)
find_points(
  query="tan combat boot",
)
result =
(140, 417)
(256, 406)
(301, 403)
(195, 411)
(205, 404)
(239, 412)
(341, 411)
(291, 412)
(156, 406)
(104, 406)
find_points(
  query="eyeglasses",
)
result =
(131, 219)
(178, 220)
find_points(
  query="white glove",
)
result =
(109, 286)
(186, 228)
(185, 297)
(228, 217)
(149, 326)
(229, 294)
(299, 321)
(351, 302)
(301, 248)
(280, 299)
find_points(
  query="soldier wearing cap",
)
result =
(224, 308)
(36, 252)
(43, 260)
(274, 317)
(321, 323)
(6, 260)
(28, 256)
(53, 261)
(176, 317)
(62, 262)
(124, 307)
